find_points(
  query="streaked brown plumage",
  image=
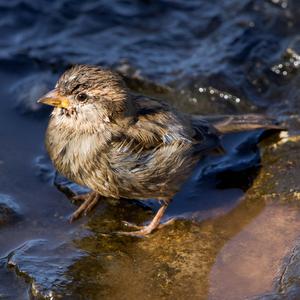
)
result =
(122, 145)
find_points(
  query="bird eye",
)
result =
(81, 97)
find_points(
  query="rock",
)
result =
(276, 188)
(288, 283)
(44, 264)
(9, 210)
(11, 287)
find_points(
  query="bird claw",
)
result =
(143, 231)
(139, 233)
(82, 197)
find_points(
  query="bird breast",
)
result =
(71, 153)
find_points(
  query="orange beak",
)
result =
(53, 98)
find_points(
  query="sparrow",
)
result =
(125, 145)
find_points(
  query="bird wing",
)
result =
(237, 123)
(154, 154)
(157, 124)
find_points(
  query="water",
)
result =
(237, 219)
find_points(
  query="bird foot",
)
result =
(83, 197)
(89, 202)
(143, 231)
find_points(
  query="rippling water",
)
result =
(229, 56)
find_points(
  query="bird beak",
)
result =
(55, 99)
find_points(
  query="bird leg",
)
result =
(89, 201)
(82, 197)
(154, 224)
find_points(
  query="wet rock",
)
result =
(279, 160)
(194, 98)
(284, 157)
(273, 185)
(11, 287)
(290, 64)
(9, 210)
(289, 280)
(287, 285)
(219, 101)
(43, 264)
(218, 94)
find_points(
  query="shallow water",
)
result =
(236, 226)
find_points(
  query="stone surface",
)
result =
(9, 210)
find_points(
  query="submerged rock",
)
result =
(279, 159)
(277, 188)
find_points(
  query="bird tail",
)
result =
(236, 123)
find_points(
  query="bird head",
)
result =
(86, 92)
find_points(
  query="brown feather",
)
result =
(124, 145)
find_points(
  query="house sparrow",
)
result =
(123, 145)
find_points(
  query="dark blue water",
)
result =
(229, 56)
